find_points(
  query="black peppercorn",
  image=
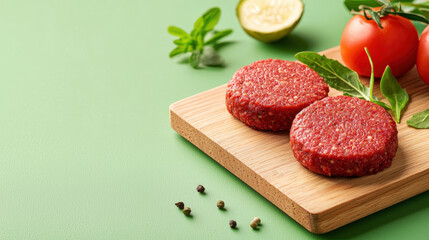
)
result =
(253, 225)
(220, 204)
(233, 224)
(180, 205)
(255, 222)
(200, 188)
(187, 211)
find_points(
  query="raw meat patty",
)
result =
(267, 94)
(344, 136)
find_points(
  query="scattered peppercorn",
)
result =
(220, 204)
(200, 188)
(187, 211)
(257, 220)
(253, 225)
(233, 224)
(180, 205)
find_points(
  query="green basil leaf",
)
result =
(198, 26)
(419, 120)
(414, 16)
(195, 58)
(206, 22)
(424, 12)
(178, 50)
(175, 31)
(403, 1)
(384, 105)
(354, 4)
(182, 41)
(384, 2)
(200, 42)
(371, 80)
(371, 85)
(336, 75)
(415, 4)
(395, 94)
(211, 18)
(218, 35)
(186, 44)
(194, 42)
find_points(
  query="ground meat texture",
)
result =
(267, 94)
(344, 136)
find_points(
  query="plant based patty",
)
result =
(344, 136)
(267, 94)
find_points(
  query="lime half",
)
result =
(269, 20)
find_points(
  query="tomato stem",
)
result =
(387, 9)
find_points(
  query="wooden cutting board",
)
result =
(265, 162)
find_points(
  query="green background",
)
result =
(86, 148)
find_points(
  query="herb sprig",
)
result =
(395, 94)
(415, 10)
(419, 120)
(195, 42)
(347, 81)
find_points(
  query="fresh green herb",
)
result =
(371, 80)
(395, 94)
(390, 88)
(415, 10)
(347, 81)
(419, 120)
(336, 75)
(354, 4)
(371, 83)
(422, 11)
(196, 42)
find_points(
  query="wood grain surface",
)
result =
(265, 162)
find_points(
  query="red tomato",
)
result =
(394, 45)
(423, 56)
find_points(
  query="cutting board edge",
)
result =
(365, 205)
